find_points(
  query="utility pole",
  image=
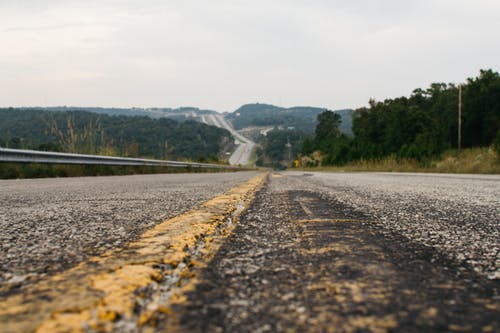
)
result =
(289, 147)
(459, 116)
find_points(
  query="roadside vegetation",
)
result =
(470, 160)
(25, 170)
(126, 136)
(416, 133)
(302, 118)
(100, 134)
(278, 148)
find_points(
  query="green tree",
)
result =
(419, 127)
(328, 126)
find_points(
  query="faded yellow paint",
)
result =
(458, 328)
(359, 289)
(96, 293)
(429, 313)
(322, 250)
(64, 322)
(449, 286)
(329, 220)
(488, 329)
(372, 323)
(488, 304)
(303, 204)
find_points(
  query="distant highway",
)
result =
(242, 154)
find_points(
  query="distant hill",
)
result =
(87, 132)
(179, 114)
(301, 118)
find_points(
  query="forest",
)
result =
(418, 127)
(302, 118)
(279, 147)
(118, 135)
(156, 112)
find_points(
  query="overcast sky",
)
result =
(220, 54)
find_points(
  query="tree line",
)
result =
(130, 136)
(417, 127)
(299, 118)
(278, 148)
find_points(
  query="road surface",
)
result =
(48, 225)
(313, 252)
(357, 253)
(245, 146)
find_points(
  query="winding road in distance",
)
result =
(243, 152)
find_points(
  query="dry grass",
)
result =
(473, 160)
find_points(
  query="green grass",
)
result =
(473, 160)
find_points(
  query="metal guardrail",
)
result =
(35, 156)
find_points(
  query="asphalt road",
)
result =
(314, 252)
(357, 252)
(49, 225)
(458, 215)
(245, 146)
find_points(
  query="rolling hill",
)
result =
(88, 132)
(299, 118)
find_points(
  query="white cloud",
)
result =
(223, 53)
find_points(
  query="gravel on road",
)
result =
(458, 215)
(319, 253)
(314, 252)
(49, 225)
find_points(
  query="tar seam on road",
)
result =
(128, 287)
(325, 266)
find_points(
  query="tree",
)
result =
(328, 126)
(420, 126)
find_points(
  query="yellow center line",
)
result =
(97, 292)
